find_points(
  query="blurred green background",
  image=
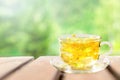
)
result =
(32, 27)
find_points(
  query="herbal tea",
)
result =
(79, 52)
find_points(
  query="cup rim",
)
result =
(80, 36)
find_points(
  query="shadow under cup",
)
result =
(80, 52)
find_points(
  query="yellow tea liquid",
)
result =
(79, 53)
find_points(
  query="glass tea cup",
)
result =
(81, 51)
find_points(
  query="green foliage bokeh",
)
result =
(33, 27)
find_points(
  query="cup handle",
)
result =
(109, 44)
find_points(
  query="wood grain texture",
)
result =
(10, 64)
(40, 69)
(115, 64)
(114, 68)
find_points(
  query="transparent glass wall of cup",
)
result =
(81, 51)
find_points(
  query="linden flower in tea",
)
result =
(79, 53)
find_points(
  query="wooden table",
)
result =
(26, 68)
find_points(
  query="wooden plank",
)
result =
(40, 69)
(114, 68)
(115, 64)
(10, 64)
